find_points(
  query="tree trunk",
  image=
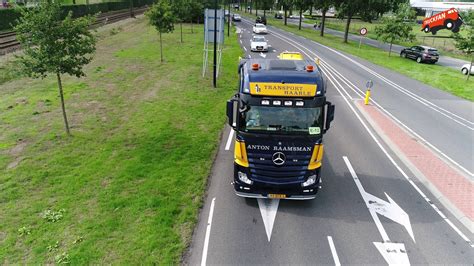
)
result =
(285, 16)
(132, 15)
(192, 29)
(264, 13)
(256, 8)
(346, 31)
(63, 107)
(390, 49)
(323, 21)
(73, 2)
(311, 10)
(181, 28)
(161, 49)
(299, 24)
(470, 67)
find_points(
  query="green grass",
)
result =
(444, 78)
(127, 186)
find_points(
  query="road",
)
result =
(443, 60)
(342, 226)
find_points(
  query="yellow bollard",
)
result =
(367, 97)
(317, 61)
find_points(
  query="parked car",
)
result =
(279, 15)
(258, 44)
(421, 54)
(260, 29)
(236, 17)
(262, 20)
(465, 69)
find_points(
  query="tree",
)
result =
(286, 4)
(181, 10)
(54, 44)
(195, 11)
(465, 42)
(301, 5)
(395, 27)
(366, 9)
(266, 4)
(162, 18)
(324, 6)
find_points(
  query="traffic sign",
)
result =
(369, 84)
(363, 31)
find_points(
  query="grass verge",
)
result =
(127, 187)
(444, 78)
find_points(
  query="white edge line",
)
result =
(208, 233)
(245, 49)
(333, 251)
(229, 140)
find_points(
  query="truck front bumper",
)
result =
(272, 190)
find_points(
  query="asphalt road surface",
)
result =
(443, 60)
(342, 226)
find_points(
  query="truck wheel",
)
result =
(418, 59)
(449, 24)
(426, 29)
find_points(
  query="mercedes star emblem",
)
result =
(278, 158)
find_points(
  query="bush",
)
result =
(8, 18)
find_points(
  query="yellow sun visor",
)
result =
(284, 90)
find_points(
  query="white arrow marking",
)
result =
(391, 210)
(263, 55)
(238, 30)
(268, 209)
(393, 253)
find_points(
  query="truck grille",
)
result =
(263, 169)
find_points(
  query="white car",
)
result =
(465, 69)
(258, 44)
(296, 16)
(260, 29)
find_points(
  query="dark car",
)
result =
(262, 20)
(421, 54)
(236, 17)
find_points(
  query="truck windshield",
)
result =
(282, 120)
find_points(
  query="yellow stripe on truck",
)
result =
(280, 89)
(316, 157)
(240, 154)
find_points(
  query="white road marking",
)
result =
(454, 227)
(250, 56)
(263, 55)
(208, 233)
(333, 251)
(240, 41)
(245, 48)
(393, 253)
(229, 140)
(268, 209)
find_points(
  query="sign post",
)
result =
(362, 32)
(213, 33)
(368, 86)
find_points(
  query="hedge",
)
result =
(8, 17)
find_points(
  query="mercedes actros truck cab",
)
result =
(279, 114)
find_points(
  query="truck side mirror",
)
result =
(329, 115)
(232, 111)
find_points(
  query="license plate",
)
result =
(277, 196)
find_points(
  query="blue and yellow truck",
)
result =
(280, 114)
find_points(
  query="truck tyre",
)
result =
(449, 24)
(426, 29)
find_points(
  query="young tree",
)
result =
(396, 27)
(54, 45)
(286, 4)
(266, 4)
(324, 6)
(466, 43)
(181, 9)
(301, 5)
(195, 11)
(162, 18)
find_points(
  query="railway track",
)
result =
(9, 43)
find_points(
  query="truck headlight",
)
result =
(243, 177)
(311, 180)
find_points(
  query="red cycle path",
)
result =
(455, 187)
